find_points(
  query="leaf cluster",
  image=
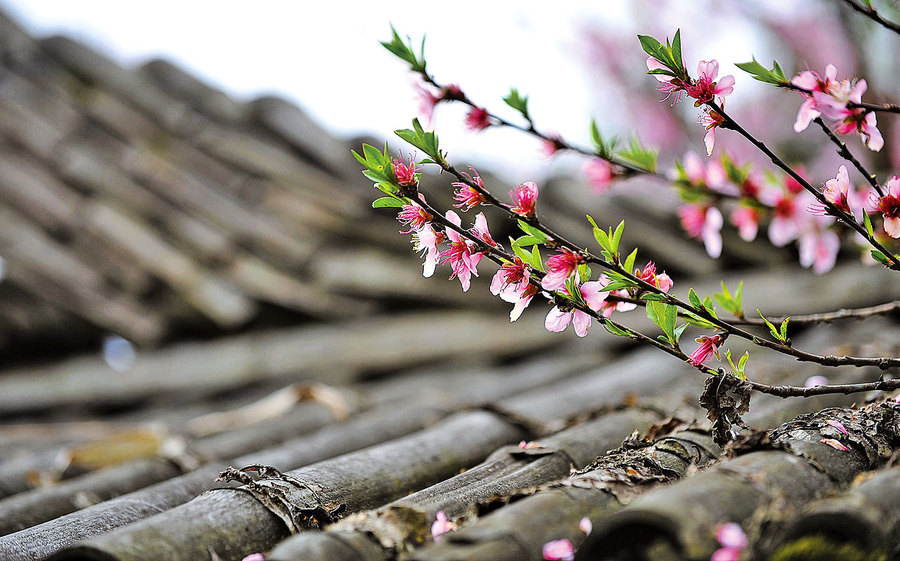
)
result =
(775, 75)
(518, 102)
(426, 141)
(669, 55)
(404, 51)
(377, 164)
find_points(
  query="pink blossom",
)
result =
(731, 535)
(585, 526)
(428, 100)
(525, 197)
(559, 550)
(511, 283)
(478, 119)
(460, 254)
(858, 120)
(746, 219)
(837, 192)
(785, 224)
(466, 196)
(812, 82)
(254, 557)
(510, 278)
(600, 174)
(710, 175)
(559, 268)
(559, 318)
(441, 526)
(889, 206)
(814, 381)
(426, 240)
(711, 120)
(705, 87)
(726, 554)
(704, 222)
(414, 217)
(837, 424)
(708, 346)
(818, 247)
(407, 174)
(552, 144)
(732, 539)
(648, 275)
(667, 84)
(480, 230)
(836, 444)
(609, 306)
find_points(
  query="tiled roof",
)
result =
(284, 326)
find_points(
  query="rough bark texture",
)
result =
(366, 430)
(681, 520)
(404, 524)
(867, 516)
(235, 522)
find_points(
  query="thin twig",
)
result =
(876, 107)
(500, 256)
(845, 153)
(844, 217)
(873, 14)
(880, 362)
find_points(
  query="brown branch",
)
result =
(844, 217)
(873, 15)
(845, 153)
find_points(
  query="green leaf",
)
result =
(698, 321)
(774, 330)
(540, 236)
(517, 102)
(678, 331)
(615, 329)
(617, 236)
(881, 258)
(639, 156)
(629, 261)
(404, 51)
(618, 284)
(868, 223)
(675, 49)
(695, 300)
(653, 296)
(671, 319)
(783, 329)
(728, 301)
(759, 72)
(388, 202)
(536, 259)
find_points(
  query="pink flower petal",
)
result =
(559, 550)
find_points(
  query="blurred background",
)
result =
(188, 248)
(181, 171)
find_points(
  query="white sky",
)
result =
(325, 57)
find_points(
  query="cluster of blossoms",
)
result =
(704, 89)
(826, 96)
(513, 281)
(793, 213)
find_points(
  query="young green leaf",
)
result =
(695, 300)
(517, 102)
(629, 261)
(615, 329)
(388, 202)
(868, 223)
(759, 72)
(538, 235)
